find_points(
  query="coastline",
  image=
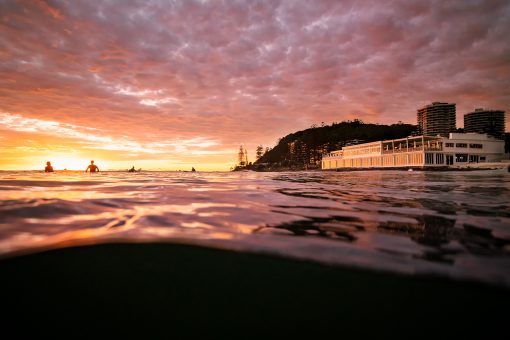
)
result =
(468, 167)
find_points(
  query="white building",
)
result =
(423, 151)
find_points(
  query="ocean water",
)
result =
(449, 224)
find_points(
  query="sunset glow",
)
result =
(171, 85)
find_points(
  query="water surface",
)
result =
(452, 224)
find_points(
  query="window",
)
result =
(439, 158)
(461, 157)
(449, 145)
(401, 160)
(461, 145)
(429, 158)
(417, 159)
(476, 146)
(387, 160)
(482, 158)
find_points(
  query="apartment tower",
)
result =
(491, 122)
(436, 119)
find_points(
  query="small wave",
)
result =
(46, 184)
(44, 208)
(450, 224)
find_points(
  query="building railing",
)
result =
(329, 155)
(402, 150)
(394, 151)
(433, 148)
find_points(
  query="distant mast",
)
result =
(246, 155)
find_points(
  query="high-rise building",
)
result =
(436, 119)
(491, 122)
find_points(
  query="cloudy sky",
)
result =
(175, 84)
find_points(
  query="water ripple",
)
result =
(453, 224)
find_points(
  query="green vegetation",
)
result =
(304, 149)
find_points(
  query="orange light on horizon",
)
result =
(68, 163)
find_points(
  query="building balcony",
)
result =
(433, 148)
(403, 150)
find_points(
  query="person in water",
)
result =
(193, 169)
(132, 169)
(48, 167)
(92, 167)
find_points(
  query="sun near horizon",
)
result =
(64, 162)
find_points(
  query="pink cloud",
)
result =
(247, 71)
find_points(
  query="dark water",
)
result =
(454, 224)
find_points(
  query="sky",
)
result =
(175, 84)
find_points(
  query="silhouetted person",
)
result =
(132, 169)
(48, 167)
(92, 167)
(193, 169)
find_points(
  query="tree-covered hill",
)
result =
(304, 149)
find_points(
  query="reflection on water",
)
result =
(455, 224)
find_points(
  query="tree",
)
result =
(259, 152)
(307, 146)
(240, 156)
